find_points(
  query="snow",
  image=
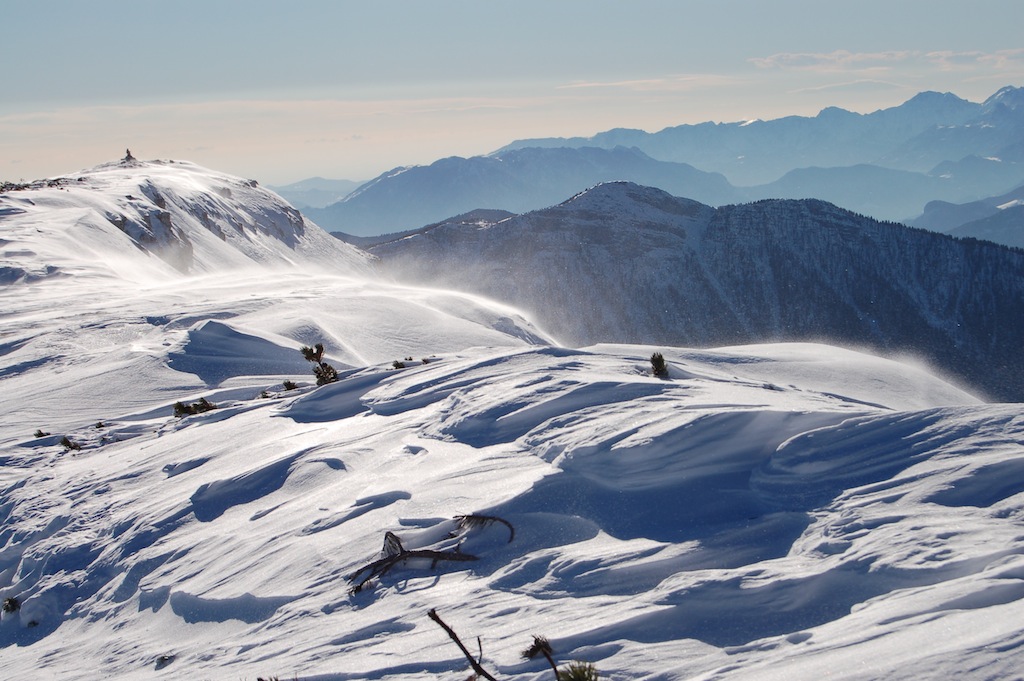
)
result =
(780, 511)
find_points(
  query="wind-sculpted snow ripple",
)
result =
(813, 467)
(662, 447)
(731, 519)
(469, 418)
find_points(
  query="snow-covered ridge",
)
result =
(620, 262)
(138, 219)
(186, 278)
(761, 512)
(781, 511)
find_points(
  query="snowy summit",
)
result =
(186, 218)
(779, 511)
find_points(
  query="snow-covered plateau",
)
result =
(778, 511)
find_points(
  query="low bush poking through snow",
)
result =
(578, 671)
(574, 671)
(323, 371)
(182, 409)
(658, 365)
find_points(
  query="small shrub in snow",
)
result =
(289, 385)
(541, 646)
(658, 365)
(578, 671)
(182, 409)
(40, 433)
(12, 604)
(323, 371)
(398, 364)
(574, 671)
(69, 444)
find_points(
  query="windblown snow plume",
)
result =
(178, 499)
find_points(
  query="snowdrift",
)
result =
(783, 511)
(757, 514)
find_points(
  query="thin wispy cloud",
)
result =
(844, 60)
(953, 61)
(678, 83)
(860, 84)
(832, 61)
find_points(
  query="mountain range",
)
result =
(997, 218)
(917, 135)
(180, 498)
(621, 262)
(315, 192)
(887, 164)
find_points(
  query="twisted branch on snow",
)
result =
(395, 553)
(473, 520)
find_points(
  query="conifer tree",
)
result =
(323, 371)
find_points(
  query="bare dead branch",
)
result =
(380, 567)
(474, 520)
(453, 636)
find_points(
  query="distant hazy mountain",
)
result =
(480, 217)
(758, 152)
(316, 192)
(997, 218)
(517, 181)
(891, 194)
(887, 164)
(1004, 227)
(996, 130)
(621, 262)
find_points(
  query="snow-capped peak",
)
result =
(628, 199)
(138, 219)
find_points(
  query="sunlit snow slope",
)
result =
(99, 317)
(788, 511)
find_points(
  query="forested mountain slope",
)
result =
(622, 262)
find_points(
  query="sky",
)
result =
(279, 92)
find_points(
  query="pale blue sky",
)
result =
(279, 91)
